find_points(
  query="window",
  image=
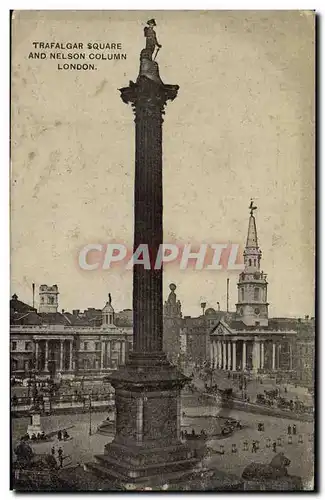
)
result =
(97, 346)
(249, 262)
(256, 293)
(28, 346)
(255, 262)
(85, 346)
(242, 294)
(13, 346)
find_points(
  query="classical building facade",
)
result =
(50, 343)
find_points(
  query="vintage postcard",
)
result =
(162, 309)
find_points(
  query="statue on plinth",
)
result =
(151, 40)
(148, 66)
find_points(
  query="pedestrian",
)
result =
(59, 435)
(53, 450)
(289, 430)
(60, 453)
(294, 429)
(274, 446)
(254, 450)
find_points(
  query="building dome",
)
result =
(210, 311)
(108, 313)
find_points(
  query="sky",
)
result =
(241, 127)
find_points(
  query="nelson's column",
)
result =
(147, 390)
(147, 449)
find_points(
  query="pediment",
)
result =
(221, 328)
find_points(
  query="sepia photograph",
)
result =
(162, 250)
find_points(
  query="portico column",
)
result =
(36, 354)
(46, 368)
(102, 353)
(123, 352)
(262, 355)
(70, 356)
(256, 355)
(215, 361)
(61, 355)
(234, 356)
(244, 356)
(273, 356)
(211, 353)
(229, 356)
(220, 354)
(108, 355)
(224, 364)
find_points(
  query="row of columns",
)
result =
(122, 353)
(223, 355)
(46, 354)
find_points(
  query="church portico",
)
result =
(256, 353)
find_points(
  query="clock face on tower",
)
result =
(256, 310)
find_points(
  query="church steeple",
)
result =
(252, 306)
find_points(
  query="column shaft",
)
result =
(262, 355)
(147, 283)
(70, 355)
(229, 356)
(244, 356)
(224, 364)
(108, 354)
(234, 356)
(61, 355)
(46, 368)
(102, 354)
(211, 353)
(273, 356)
(36, 354)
